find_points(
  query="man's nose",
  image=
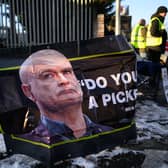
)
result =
(62, 79)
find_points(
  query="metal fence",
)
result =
(36, 22)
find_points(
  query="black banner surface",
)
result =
(105, 69)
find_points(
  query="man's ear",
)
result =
(27, 91)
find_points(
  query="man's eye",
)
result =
(68, 72)
(47, 75)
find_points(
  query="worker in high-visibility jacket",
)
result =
(156, 35)
(138, 37)
(155, 42)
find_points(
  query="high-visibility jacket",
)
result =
(151, 40)
(137, 38)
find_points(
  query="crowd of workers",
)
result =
(149, 41)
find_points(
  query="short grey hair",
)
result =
(27, 67)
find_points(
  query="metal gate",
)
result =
(36, 22)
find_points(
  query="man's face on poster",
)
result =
(54, 84)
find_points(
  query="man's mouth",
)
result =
(66, 91)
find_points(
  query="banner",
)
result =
(101, 93)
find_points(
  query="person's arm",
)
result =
(143, 32)
(164, 39)
(155, 30)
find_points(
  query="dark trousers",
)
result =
(153, 55)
